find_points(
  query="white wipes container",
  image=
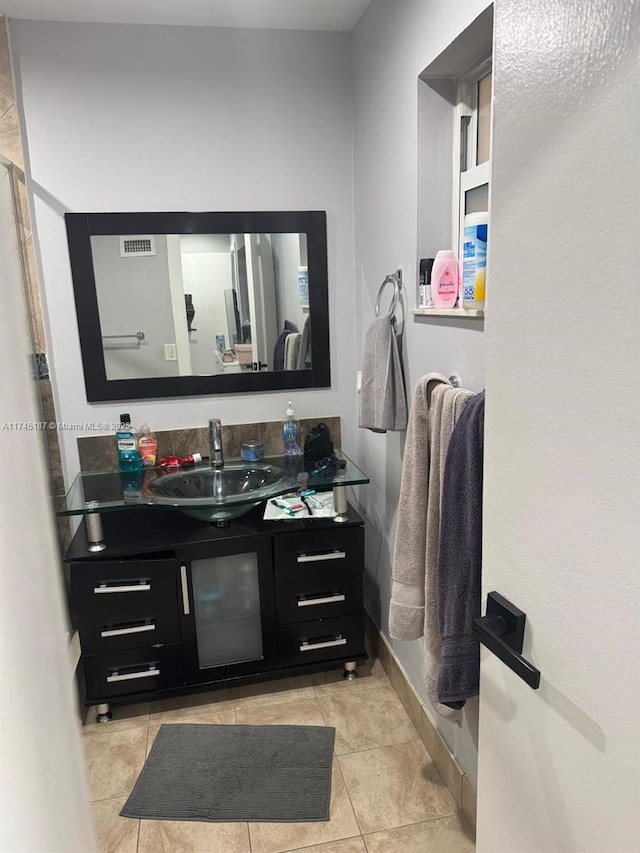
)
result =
(474, 259)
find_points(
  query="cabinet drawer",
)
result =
(131, 671)
(149, 625)
(323, 595)
(300, 553)
(123, 590)
(322, 640)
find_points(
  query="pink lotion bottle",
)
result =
(445, 280)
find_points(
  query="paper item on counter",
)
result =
(325, 510)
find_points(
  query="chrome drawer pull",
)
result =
(119, 632)
(134, 587)
(308, 647)
(129, 676)
(327, 599)
(314, 558)
(185, 591)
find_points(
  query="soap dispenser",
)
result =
(291, 434)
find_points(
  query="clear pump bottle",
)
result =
(291, 434)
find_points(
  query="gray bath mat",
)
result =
(235, 773)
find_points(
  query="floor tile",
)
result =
(395, 786)
(366, 717)
(304, 712)
(114, 834)
(196, 700)
(444, 835)
(272, 692)
(348, 845)
(370, 674)
(220, 715)
(183, 836)
(114, 760)
(124, 717)
(279, 837)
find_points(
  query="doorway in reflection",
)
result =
(202, 304)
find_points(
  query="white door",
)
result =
(558, 767)
(262, 299)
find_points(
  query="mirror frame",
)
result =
(82, 226)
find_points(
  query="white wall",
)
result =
(134, 295)
(206, 276)
(392, 44)
(44, 802)
(128, 118)
(286, 249)
(558, 767)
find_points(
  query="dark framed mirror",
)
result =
(184, 304)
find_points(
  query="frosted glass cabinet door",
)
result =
(227, 611)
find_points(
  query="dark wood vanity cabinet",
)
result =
(173, 605)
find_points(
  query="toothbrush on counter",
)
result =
(292, 510)
(308, 494)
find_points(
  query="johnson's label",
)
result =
(448, 285)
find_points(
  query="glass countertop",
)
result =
(110, 491)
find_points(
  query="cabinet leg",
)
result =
(340, 503)
(94, 529)
(103, 713)
(350, 671)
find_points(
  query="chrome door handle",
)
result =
(313, 558)
(502, 632)
(308, 647)
(130, 676)
(120, 632)
(134, 587)
(325, 599)
(186, 609)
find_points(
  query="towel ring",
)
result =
(396, 280)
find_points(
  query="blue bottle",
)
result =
(129, 458)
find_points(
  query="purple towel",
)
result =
(460, 557)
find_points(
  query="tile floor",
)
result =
(386, 797)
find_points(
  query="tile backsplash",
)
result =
(98, 452)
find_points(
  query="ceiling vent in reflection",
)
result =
(137, 245)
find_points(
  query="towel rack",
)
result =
(138, 335)
(395, 279)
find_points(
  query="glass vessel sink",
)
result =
(228, 492)
(215, 495)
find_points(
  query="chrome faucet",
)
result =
(215, 442)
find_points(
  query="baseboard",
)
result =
(453, 776)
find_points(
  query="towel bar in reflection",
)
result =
(137, 336)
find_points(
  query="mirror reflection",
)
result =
(202, 304)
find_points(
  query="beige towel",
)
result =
(413, 612)
(291, 349)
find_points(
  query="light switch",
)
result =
(170, 352)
